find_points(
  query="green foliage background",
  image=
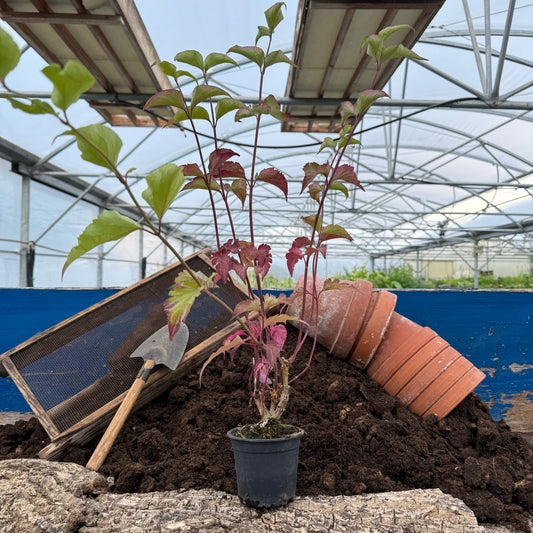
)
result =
(403, 277)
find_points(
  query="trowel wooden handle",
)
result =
(106, 442)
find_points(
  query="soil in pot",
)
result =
(358, 439)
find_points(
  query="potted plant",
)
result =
(262, 317)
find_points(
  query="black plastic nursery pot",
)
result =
(266, 468)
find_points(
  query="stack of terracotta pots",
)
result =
(359, 324)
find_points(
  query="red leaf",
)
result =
(231, 169)
(312, 170)
(222, 260)
(279, 334)
(293, 256)
(276, 178)
(300, 242)
(346, 173)
(314, 190)
(192, 169)
(218, 157)
(264, 259)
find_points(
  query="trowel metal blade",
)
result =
(163, 351)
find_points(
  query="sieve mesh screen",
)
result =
(84, 363)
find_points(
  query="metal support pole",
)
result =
(477, 249)
(24, 231)
(100, 261)
(418, 265)
(141, 255)
(30, 263)
(372, 259)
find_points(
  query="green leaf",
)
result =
(69, 82)
(200, 183)
(385, 33)
(198, 113)
(277, 57)
(98, 144)
(399, 50)
(238, 187)
(253, 53)
(244, 112)
(254, 304)
(338, 186)
(346, 129)
(262, 31)
(180, 300)
(274, 15)
(226, 105)
(374, 44)
(204, 92)
(215, 58)
(170, 70)
(260, 109)
(347, 140)
(328, 142)
(347, 111)
(109, 226)
(334, 231)
(191, 57)
(164, 184)
(376, 48)
(365, 99)
(10, 54)
(275, 108)
(311, 219)
(171, 97)
(35, 107)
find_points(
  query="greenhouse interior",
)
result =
(176, 161)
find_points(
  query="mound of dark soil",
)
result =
(358, 439)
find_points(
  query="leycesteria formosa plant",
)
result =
(262, 316)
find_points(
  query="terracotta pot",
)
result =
(398, 357)
(414, 364)
(427, 375)
(375, 324)
(341, 313)
(399, 330)
(456, 393)
(353, 319)
(435, 391)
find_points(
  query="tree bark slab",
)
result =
(41, 496)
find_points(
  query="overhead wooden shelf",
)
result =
(327, 49)
(107, 36)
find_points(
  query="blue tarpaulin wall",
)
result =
(491, 328)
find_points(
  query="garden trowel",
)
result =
(155, 350)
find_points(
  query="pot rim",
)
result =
(299, 432)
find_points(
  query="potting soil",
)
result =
(358, 439)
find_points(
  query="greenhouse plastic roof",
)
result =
(446, 162)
